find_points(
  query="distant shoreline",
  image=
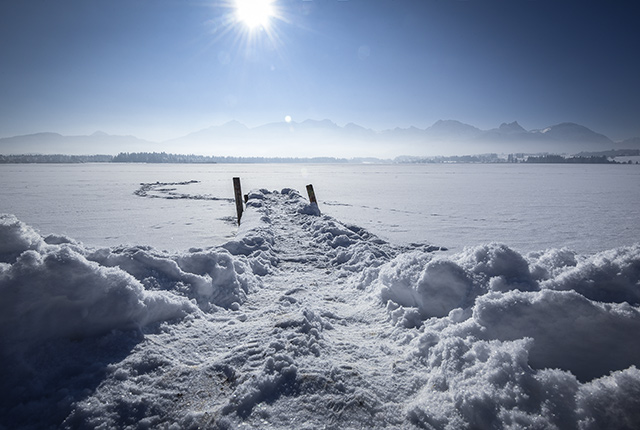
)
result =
(604, 157)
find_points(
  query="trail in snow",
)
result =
(304, 322)
(338, 361)
(169, 191)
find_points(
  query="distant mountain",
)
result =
(54, 143)
(318, 138)
(213, 133)
(570, 132)
(315, 125)
(401, 134)
(309, 138)
(358, 131)
(511, 128)
(445, 137)
(452, 130)
(633, 143)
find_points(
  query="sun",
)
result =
(251, 25)
(255, 13)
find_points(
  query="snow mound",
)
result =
(569, 331)
(54, 291)
(434, 287)
(210, 277)
(609, 276)
(65, 307)
(521, 355)
(572, 311)
(15, 238)
(59, 293)
(437, 284)
(255, 237)
(488, 384)
(53, 287)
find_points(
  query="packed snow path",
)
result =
(302, 322)
(305, 343)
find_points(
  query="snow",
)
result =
(304, 321)
(529, 207)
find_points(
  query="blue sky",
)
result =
(159, 69)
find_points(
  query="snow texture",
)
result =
(304, 322)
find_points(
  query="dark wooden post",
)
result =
(312, 195)
(238, 195)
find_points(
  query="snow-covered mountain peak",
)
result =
(512, 127)
(451, 128)
(234, 123)
(325, 123)
(569, 131)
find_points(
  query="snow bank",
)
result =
(471, 380)
(210, 277)
(498, 329)
(54, 291)
(569, 331)
(59, 293)
(16, 237)
(609, 276)
(255, 236)
(436, 285)
(68, 311)
(505, 338)
(53, 287)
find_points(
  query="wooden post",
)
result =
(312, 195)
(238, 195)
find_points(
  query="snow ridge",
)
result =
(305, 322)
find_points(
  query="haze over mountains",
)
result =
(312, 138)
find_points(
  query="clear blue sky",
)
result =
(160, 69)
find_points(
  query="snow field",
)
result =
(305, 322)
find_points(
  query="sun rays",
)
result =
(250, 25)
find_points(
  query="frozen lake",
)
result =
(587, 208)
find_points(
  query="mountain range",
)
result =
(312, 138)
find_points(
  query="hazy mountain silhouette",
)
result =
(311, 138)
(54, 143)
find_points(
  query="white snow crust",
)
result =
(305, 322)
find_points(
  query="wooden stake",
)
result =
(238, 195)
(312, 195)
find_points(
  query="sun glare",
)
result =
(255, 13)
(250, 26)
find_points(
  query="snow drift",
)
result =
(488, 317)
(53, 287)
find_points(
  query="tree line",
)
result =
(54, 158)
(601, 159)
(161, 157)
